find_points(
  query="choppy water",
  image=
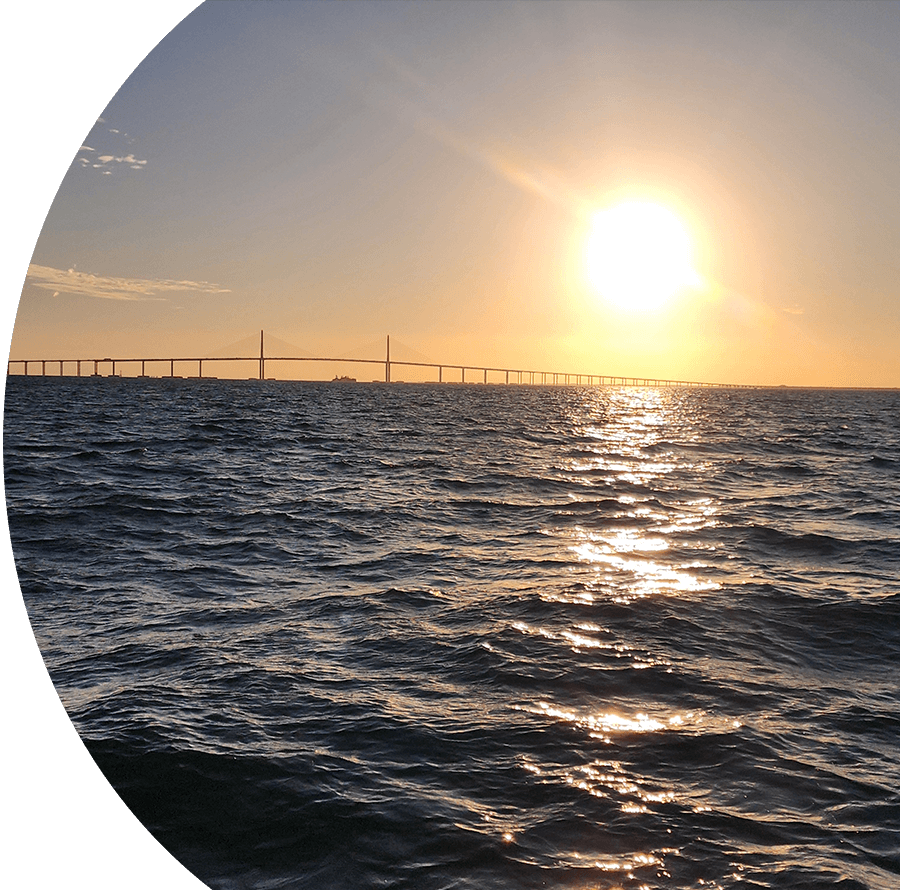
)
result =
(363, 636)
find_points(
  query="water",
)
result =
(367, 636)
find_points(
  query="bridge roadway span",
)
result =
(519, 375)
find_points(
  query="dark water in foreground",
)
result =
(350, 636)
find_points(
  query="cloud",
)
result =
(70, 281)
(114, 152)
(129, 160)
(517, 167)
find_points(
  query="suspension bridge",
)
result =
(446, 372)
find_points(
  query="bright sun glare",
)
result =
(638, 256)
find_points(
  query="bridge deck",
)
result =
(530, 376)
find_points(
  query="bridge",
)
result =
(486, 374)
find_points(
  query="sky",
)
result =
(335, 173)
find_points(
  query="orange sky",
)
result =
(335, 173)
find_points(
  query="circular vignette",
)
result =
(67, 827)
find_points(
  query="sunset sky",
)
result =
(334, 173)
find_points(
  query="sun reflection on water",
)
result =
(604, 724)
(610, 780)
(635, 446)
(630, 532)
(633, 578)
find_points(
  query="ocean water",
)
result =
(413, 636)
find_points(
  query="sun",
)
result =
(638, 256)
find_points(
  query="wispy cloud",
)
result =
(70, 281)
(387, 83)
(526, 174)
(107, 163)
(115, 153)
